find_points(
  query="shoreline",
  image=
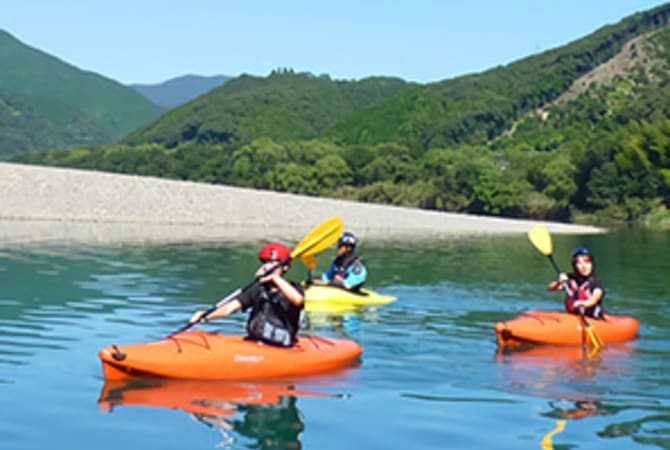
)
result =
(47, 204)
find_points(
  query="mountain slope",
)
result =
(578, 133)
(21, 128)
(476, 108)
(284, 105)
(472, 109)
(177, 91)
(82, 107)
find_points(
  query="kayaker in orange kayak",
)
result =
(275, 302)
(584, 291)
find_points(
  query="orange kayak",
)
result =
(561, 328)
(203, 355)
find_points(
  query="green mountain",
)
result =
(577, 133)
(179, 90)
(476, 108)
(472, 109)
(46, 102)
(22, 128)
(285, 105)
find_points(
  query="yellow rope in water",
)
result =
(546, 442)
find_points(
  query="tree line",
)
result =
(619, 175)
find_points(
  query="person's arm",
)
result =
(356, 275)
(558, 284)
(290, 292)
(224, 310)
(328, 276)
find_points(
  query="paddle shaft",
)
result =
(553, 263)
(232, 296)
(585, 325)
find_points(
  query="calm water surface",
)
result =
(430, 375)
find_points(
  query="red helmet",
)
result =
(274, 251)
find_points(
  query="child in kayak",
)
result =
(585, 293)
(275, 302)
(347, 270)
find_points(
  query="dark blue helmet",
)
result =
(582, 251)
(347, 239)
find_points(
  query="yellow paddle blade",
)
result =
(541, 239)
(322, 237)
(309, 261)
(595, 340)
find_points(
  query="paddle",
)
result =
(310, 262)
(541, 240)
(319, 239)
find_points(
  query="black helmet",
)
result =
(582, 251)
(347, 239)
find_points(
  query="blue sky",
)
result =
(149, 41)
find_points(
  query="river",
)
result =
(431, 376)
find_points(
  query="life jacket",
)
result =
(352, 270)
(581, 289)
(273, 319)
(343, 262)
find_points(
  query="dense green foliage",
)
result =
(282, 106)
(54, 104)
(476, 108)
(21, 128)
(495, 143)
(472, 109)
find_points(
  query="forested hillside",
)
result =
(283, 106)
(579, 133)
(47, 103)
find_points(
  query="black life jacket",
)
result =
(273, 319)
(343, 262)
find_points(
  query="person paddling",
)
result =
(347, 270)
(275, 302)
(585, 292)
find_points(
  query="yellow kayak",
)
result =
(333, 298)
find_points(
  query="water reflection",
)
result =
(579, 386)
(563, 365)
(261, 415)
(651, 424)
(581, 408)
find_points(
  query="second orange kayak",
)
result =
(561, 328)
(203, 355)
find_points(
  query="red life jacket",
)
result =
(582, 292)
